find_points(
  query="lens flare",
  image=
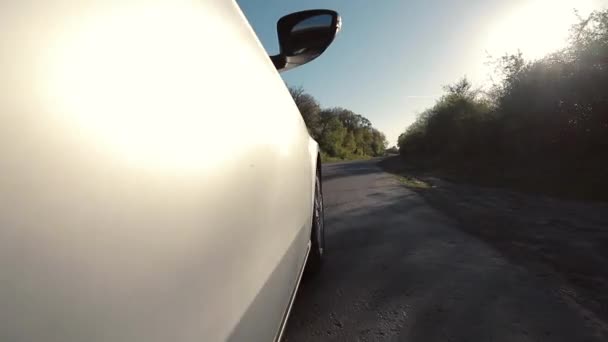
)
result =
(535, 28)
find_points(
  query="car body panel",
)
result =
(157, 178)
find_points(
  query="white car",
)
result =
(157, 180)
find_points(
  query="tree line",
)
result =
(551, 110)
(341, 133)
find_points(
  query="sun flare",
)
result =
(536, 27)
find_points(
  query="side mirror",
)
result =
(304, 36)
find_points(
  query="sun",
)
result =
(535, 27)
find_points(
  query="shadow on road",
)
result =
(398, 269)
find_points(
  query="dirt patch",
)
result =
(564, 240)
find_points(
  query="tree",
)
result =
(332, 137)
(309, 108)
(340, 132)
(554, 108)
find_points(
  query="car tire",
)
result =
(317, 236)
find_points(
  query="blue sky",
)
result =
(392, 57)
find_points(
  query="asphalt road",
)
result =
(397, 269)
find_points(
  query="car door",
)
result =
(156, 175)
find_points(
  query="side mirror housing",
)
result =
(304, 36)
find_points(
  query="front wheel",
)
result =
(317, 238)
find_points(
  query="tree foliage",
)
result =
(555, 107)
(340, 132)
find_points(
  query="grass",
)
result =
(329, 159)
(412, 182)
